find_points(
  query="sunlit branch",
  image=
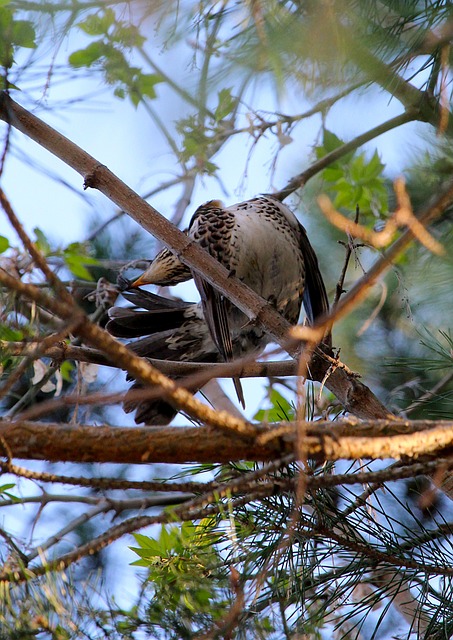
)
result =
(380, 439)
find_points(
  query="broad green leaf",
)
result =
(23, 34)
(147, 82)
(145, 542)
(127, 35)
(330, 141)
(76, 265)
(88, 56)
(41, 241)
(332, 173)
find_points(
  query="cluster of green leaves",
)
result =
(188, 578)
(113, 37)
(200, 142)
(14, 33)
(354, 180)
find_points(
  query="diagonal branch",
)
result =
(355, 396)
(124, 358)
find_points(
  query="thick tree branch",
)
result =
(143, 445)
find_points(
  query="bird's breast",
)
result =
(265, 255)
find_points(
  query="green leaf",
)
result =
(11, 335)
(88, 56)
(66, 369)
(145, 542)
(5, 487)
(147, 82)
(280, 409)
(76, 265)
(226, 104)
(23, 34)
(5, 494)
(330, 141)
(4, 244)
(99, 23)
(332, 173)
(127, 35)
(356, 168)
(41, 241)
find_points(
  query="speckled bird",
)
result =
(263, 244)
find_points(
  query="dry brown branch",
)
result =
(134, 445)
(62, 352)
(374, 479)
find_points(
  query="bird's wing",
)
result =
(215, 311)
(215, 308)
(204, 226)
(315, 300)
(208, 228)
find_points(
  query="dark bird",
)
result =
(263, 244)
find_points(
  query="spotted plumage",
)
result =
(263, 244)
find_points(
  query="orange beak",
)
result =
(141, 280)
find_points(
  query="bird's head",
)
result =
(165, 270)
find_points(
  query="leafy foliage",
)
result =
(355, 181)
(107, 53)
(14, 34)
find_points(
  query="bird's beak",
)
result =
(152, 275)
(141, 280)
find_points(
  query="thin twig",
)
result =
(349, 249)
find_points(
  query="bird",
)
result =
(264, 245)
